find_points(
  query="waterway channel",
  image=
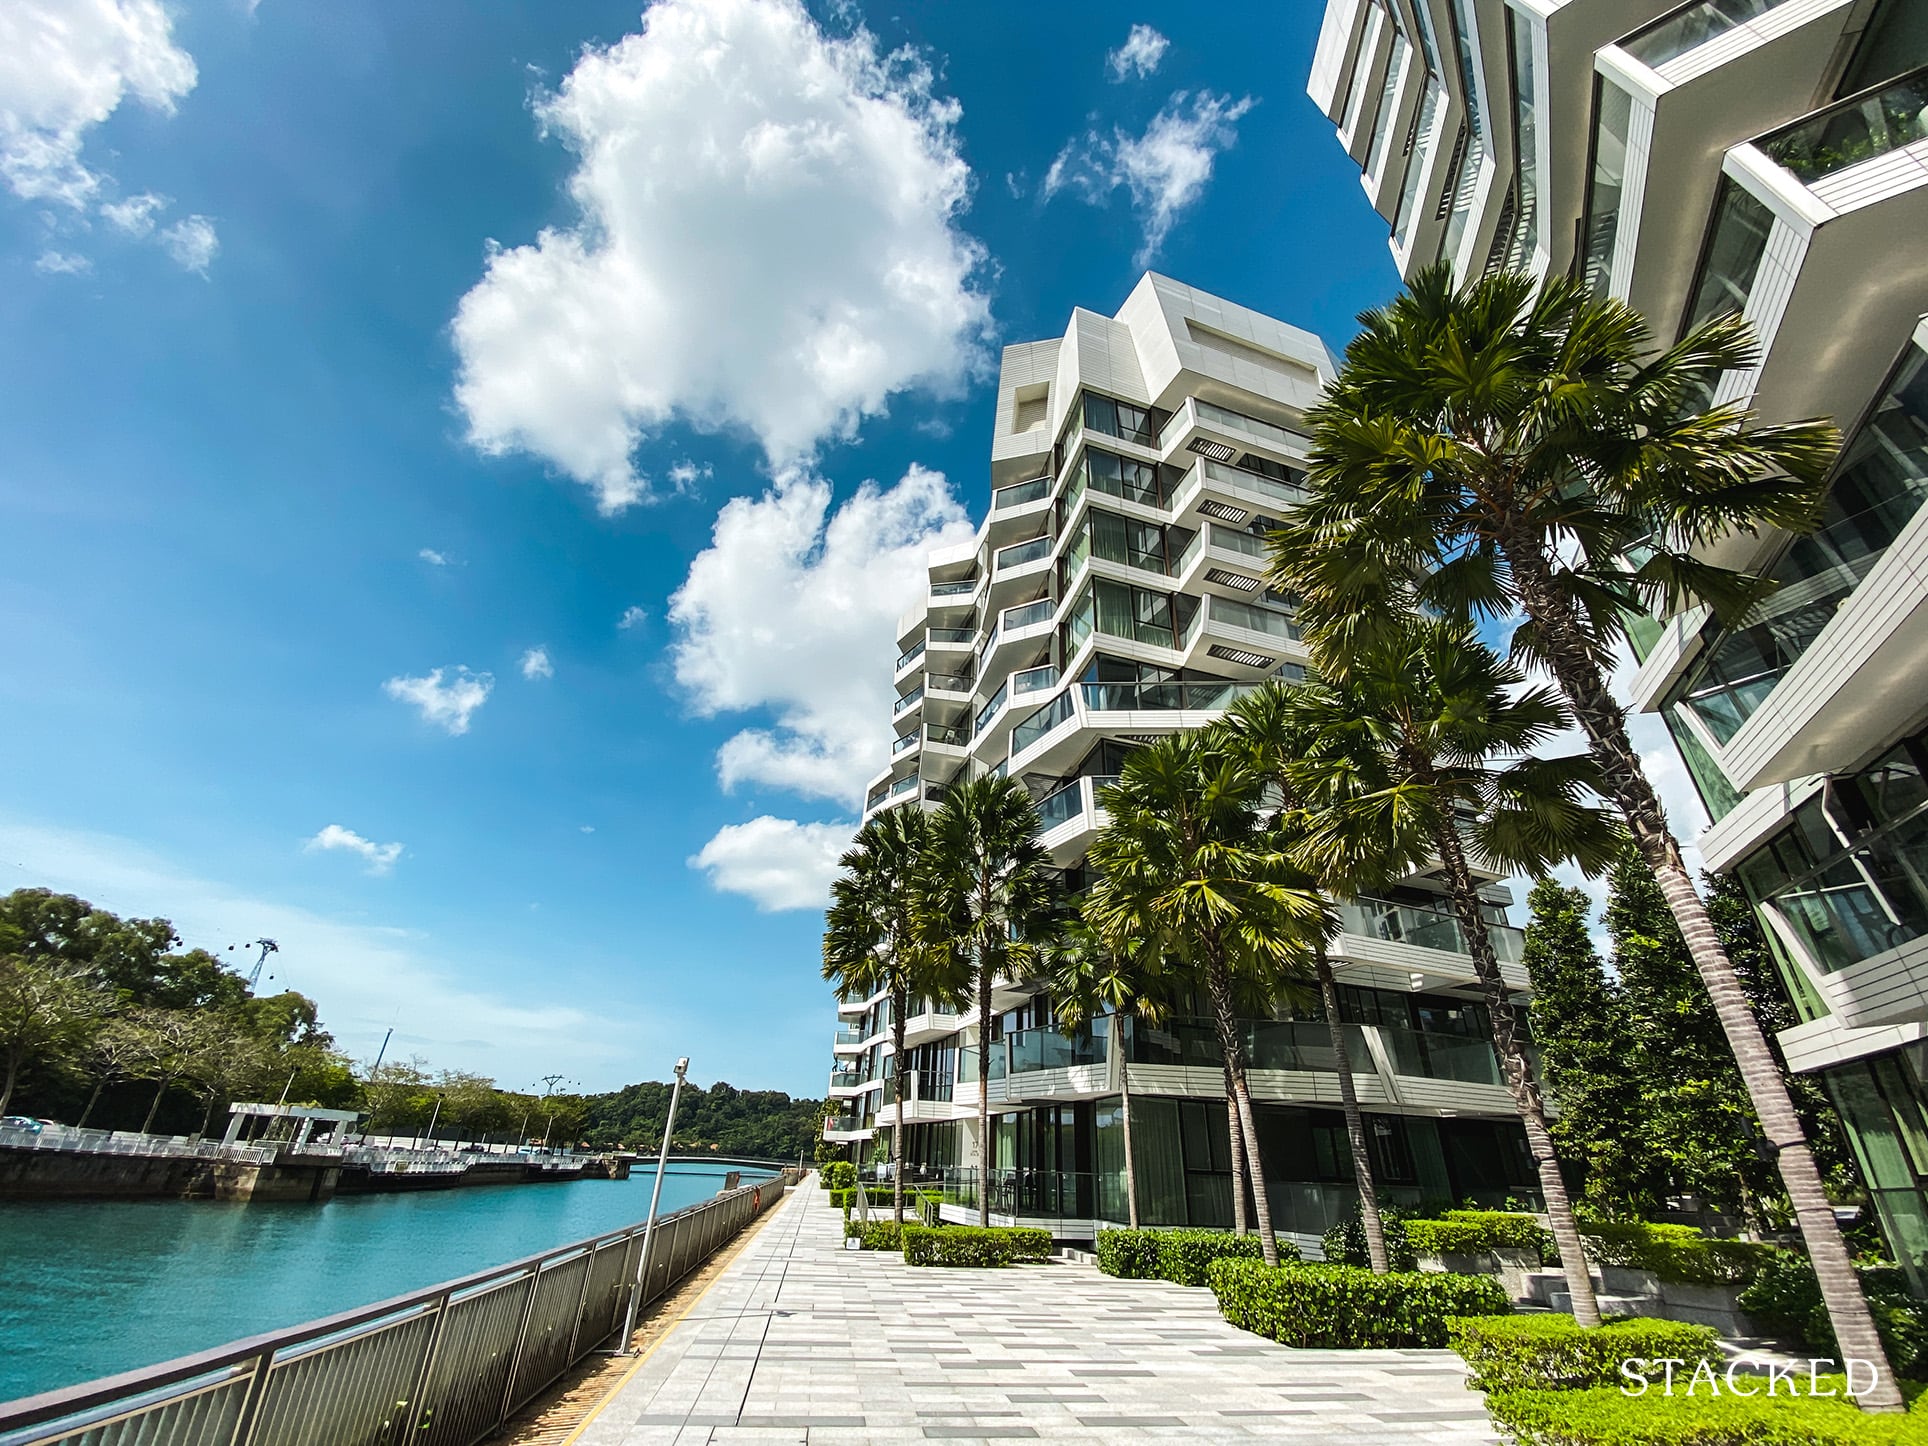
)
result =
(89, 1288)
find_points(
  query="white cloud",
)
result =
(587, 828)
(364, 976)
(433, 558)
(535, 664)
(136, 214)
(684, 475)
(633, 617)
(65, 67)
(777, 862)
(192, 243)
(1164, 170)
(63, 263)
(447, 704)
(380, 858)
(767, 239)
(1140, 55)
(793, 608)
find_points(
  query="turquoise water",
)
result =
(88, 1288)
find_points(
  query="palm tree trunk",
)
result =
(1519, 1080)
(984, 1091)
(1124, 1109)
(1220, 985)
(154, 1107)
(897, 1008)
(1605, 724)
(1355, 1121)
(1235, 1133)
(93, 1099)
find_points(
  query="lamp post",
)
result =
(649, 1225)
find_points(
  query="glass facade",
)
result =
(1382, 122)
(1123, 420)
(1613, 113)
(1526, 239)
(1689, 28)
(1734, 250)
(1854, 130)
(1881, 1101)
(1879, 485)
(1120, 611)
(1431, 110)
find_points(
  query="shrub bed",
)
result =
(1477, 1232)
(1345, 1243)
(1128, 1254)
(1786, 1300)
(1603, 1416)
(874, 1234)
(837, 1175)
(1180, 1256)
(1557, 1353)
(843, 1200)
(1347, 1306)
(1674, 1252)
(974, 1245)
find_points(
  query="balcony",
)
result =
(1026, 614)
(1020, 553)
(949, 687)
(1852, 131)
(1423, 928)
(950, 591)
(936, 736)
(848, 1040)
(910, 655)
(1037, 1194)
(951, 637)
(904, 745)
(909, 701)
(1019, 493)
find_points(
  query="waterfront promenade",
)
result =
(801, 1341)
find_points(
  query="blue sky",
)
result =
(345, 344)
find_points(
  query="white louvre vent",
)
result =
(1239, 656)
(1223, 511)
(1233, 579)
(1217, 451)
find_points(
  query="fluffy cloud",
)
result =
(65, 67)
(777, 862)
(793, 608)
(633, 617)
(1140, 55)
(136, 214)
(444, 700)
(767, 238)
(380, 858)
(192, 243)
(684, 475)
(62, 263)
(1164, 170)
(433, 558)
(535, 664)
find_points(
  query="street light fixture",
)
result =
(649, 1225)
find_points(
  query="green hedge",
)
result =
(1674, 1252)
(1179, 1256)
(1786, 1301)
(1347, 1306)
(837, 1175)
(1345, 1243)
(1478, 1232)
(1557, 1353)
(1603, 1416)
(974, 1245)
(874, 1235)
(843, 1200)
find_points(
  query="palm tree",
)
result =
(1185, 865)
(1268, 723)
(1498, 449)
(1419, 754)
(873, 942)
(1090, 979)
(989, 887)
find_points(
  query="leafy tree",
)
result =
(988, 884)
(1423, 753)
(228, 1062)
(112, 1055)
(131, 956)
(1507, 447)
(46, 1011)
(876, 939)
(169, 1047)
(1584, 1031)
(1184, 866)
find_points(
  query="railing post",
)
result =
(251, 1402)
(412, 1421)
(515, 1356)
(582, 1300)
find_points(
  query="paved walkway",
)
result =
(802, 1341)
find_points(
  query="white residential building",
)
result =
(1113, 593)
(1768, 157)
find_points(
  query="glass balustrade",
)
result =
(954, 589)
(1253, 618)
(910, 655)
(1019, 493)
(1230, 539)
(1033, 680)
(1423, 928)
(1151, 697)
(908, 701)
(1271, 432)
(989, 710)
(948, 737)
(903, 786)
(1689, 28)
(1022, 552)
(1426, 1055)
(905, 744)
(953, 635)
(1038, 1194)
(1026, 614)
(1042, 722)
(849, 1034)
(948, 683)
(1031, 1050)
(1239, 480)
(1854, 130)
(1059, 806)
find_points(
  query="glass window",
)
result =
(1382, 122)
(1526, 127)
(1613, 115)
(1431, 110)
(1356, 95)
(1895, 42)
(1123, 477)
(1738, 240)
(1854, 130)
(1688, 29)
(1123, 420)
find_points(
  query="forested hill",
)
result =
(763, 1123)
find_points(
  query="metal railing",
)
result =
(445, 1366)
(68, 1140)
